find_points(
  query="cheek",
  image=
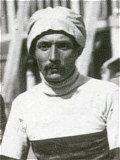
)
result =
(41, 57)
(69, 59)
(41, 60)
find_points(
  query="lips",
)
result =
(50, 69)
(53, 66)
(54, 69)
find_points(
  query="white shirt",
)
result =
(38, 114)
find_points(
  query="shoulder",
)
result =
(28, 97)
(31, 92)
(98, 88)
(102, 85)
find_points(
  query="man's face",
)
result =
(56, 56)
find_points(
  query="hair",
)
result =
(33, 44)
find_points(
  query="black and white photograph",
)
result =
(59, 80)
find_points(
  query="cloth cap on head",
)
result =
(56, 19)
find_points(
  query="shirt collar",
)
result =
(66, 87)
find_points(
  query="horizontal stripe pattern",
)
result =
(91, 146)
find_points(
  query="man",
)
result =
(111, 70)
(66, 116)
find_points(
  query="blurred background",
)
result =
(100, 58)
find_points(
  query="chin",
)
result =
(54, 77)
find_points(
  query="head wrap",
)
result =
(56, 19)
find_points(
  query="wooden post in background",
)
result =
(64, 3)
(114, 37)
(75, 6)
(48, 3)
(40, 4)
(3, 17)
(33, 6)
(114, 28)
(56, 3)
(10, 15)
(92, 11)
(14, 55)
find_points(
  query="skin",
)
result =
(56, 56)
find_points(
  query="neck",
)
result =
(64, 87)
(61, 83)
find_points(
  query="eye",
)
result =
(64, 46)
(44, 46)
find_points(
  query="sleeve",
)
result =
(15, 143)
(113, 125)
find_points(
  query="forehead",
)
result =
(57, 37)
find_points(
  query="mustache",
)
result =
(53, 66)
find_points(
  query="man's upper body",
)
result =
(79, 122)
(67, 115)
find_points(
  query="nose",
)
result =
(54, 55)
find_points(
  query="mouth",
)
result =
(53, 69)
